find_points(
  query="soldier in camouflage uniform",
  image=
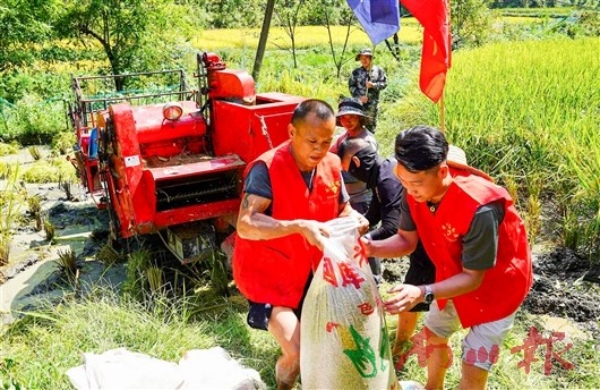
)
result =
(365, 83)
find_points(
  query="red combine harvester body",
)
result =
(161, 161)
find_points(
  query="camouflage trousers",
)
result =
(370, 109)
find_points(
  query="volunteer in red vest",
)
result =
(289, 192)
(478, 243)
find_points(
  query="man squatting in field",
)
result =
(478, 243)
(289, 192)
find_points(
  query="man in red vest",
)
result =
(289, 192)
(478, 243)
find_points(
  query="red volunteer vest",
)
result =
(504, 286)
(275, 271)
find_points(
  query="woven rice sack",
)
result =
(344, 342)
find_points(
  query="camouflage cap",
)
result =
(364, 52)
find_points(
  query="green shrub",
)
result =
(579, 24)
(32, 120)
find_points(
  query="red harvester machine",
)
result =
(171, 162)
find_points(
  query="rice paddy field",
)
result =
(528, 113)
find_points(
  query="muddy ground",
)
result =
(565, 286)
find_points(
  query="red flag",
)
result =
(435, 57)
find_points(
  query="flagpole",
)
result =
(442, 114)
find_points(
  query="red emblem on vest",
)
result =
(449, 232)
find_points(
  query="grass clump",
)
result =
(108, 255)
(49, 171)
(137, 282)
(49, 230)
(35, 152)
(66, 187)
(10, 204)
(35, 209)
(68, 264)
(12, 148)
(5, 240)
(5, 169)
(63, 142)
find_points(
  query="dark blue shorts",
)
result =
(420, 272)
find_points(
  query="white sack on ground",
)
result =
(215, 369)
(344, 342)
(125, 370)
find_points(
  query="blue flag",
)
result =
(379, 18)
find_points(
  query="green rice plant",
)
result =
(66, 187)
(5, 240)
(136, 282)
(49, 230)
(511, 186)
(68, 264)
(108, 255)
(533, 217)
(8, 383)
(217, 272)
(35, 208)
(528, 109)
(155, 280)
(11, 148)
(571, 234)
(63, 142)
(35, 152)
(49, 171)
(10, 201)
(4, 170)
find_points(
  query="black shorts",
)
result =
(420, 272)
(259, 313)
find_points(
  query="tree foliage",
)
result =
(334, 15)
(230, 13)
(583, 4)
(132, 33)
(288, 15)
(22, 24)
(471, 22)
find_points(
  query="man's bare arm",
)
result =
(406, 296)
(253, 224)
(459, 284)
(397, 245)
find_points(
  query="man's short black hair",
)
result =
(321, 108)
(421, 148)
(351, 146)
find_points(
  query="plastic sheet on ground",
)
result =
(198, 369)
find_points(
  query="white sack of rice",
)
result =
(344, 342)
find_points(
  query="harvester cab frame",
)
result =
(170, 161)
